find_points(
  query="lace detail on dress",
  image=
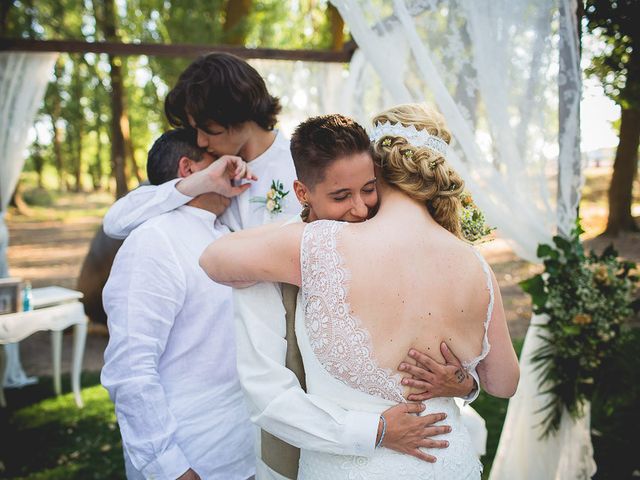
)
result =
(339, 342)
(457, 462)
(472, 364)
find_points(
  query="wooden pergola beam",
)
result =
(175, 50)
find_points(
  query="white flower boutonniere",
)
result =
(273, 199)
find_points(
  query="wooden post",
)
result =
(175, 50)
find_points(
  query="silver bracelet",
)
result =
(384, 430)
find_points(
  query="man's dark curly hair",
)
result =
(166, 152)
(319, 141)
(223, 88)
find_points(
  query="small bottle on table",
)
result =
(27, 297)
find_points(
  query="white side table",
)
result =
(55, 308)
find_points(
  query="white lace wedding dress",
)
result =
(340, 365)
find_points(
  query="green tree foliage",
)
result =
(614, 23)
(617, 66)
(74, 139)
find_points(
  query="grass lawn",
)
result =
(49, 438)
(52, 439)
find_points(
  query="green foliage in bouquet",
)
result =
(587, 298)
(474, 227)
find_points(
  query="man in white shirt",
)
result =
(170, 363)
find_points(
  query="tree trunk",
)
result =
(118, 153)
(38, 164)
(95, 168)
(106, 19)
(55, 112)
(38, 159)
(337, 27)
(57, 150)
(5, 6)
(95, 164)
(235, 28)
(126, 130)
(77, 161)
(625, 170)
(18, 201)
(137, 171)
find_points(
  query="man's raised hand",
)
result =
(219, 177)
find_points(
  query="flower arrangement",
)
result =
(273, 199)
(474, 226)
(587, 298)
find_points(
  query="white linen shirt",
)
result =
(170, 365)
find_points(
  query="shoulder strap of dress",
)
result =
(486, 346)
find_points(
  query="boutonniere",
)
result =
(273, 199)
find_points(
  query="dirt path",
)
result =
(49, 249)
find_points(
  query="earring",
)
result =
(306, 209)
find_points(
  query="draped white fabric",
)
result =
(23, 79)
(506, 75)
(567, 455)
(491, 67)
(305, 88)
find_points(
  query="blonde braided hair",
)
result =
(421, 172)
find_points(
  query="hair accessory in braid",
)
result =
(435, 162)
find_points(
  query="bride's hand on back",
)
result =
(407, 433)
(435, 379)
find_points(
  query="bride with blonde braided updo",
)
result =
(420, 172)
(404, 280)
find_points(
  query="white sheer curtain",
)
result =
(505, 73)
(23, 79)
(305, 88)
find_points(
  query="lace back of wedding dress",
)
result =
(337, 338)
(340, 365)
(341, 344)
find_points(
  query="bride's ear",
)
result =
(302, 192)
